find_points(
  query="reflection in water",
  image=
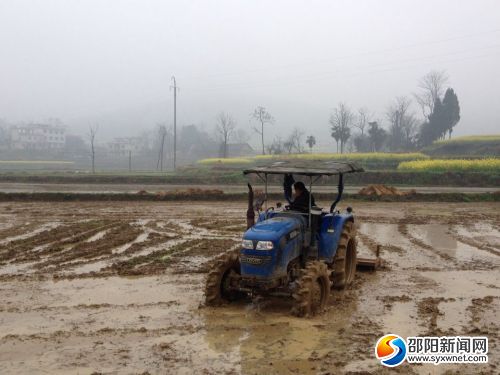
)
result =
(437, 236)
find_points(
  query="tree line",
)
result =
(361, 131)
(405, 132)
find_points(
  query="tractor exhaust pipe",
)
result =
(250, 211)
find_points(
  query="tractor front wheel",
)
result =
(344, 262)
(217, 289)
(312, 290)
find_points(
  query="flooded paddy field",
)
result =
(117, 287)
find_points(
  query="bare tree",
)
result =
(294, 142)
(224, 128)
(341, 121)
(261, 115)
(431, 87)
(311, 141)
(403, 124)
(410, 129)
(362, 119)
(92, 133)
(288, 145)
(277, 147)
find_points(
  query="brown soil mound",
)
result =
(382, 190)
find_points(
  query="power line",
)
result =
(311, 77)
(175, 121)
(358, 54)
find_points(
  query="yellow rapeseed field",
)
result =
(453, 165)
(21, 162)
(362, 157)
(471, 139)
(367, 156)
(225, 161)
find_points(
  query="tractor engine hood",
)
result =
(286, 233)
(272, 229)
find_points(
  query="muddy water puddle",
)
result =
(396, 247)
(438, 237)
(92, 305)
(432, 282)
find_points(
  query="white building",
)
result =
(38, 137)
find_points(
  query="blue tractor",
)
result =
(287, 252)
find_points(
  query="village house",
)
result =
(41, 137)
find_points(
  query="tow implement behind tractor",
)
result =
(301, 254)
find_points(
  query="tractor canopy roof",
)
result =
(307, 167)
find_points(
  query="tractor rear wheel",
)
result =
(217, 289)
(312, 290)
(344, 262)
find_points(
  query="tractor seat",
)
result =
(315, 210)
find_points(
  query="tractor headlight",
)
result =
(247, 244)
(264, 245)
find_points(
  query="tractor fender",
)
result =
(329, 235)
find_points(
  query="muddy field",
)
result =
(118, 288)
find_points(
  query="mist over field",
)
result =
(111, 62)
(249, 187)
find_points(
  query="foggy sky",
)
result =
(111, 62)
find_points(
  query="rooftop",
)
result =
(307, 167)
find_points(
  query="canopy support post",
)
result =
(339, 193)
(310, 202)
(265, 190)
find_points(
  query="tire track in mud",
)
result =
(90, 307)
(225, 225)
(111, 258)
(107, 331)
(77, 234)
(176, 248)
(428, 310)
(98, 334)
(86, 251)
(403, 229)
(474, 243)
(450, 261)
(55, 251)
(32, 232)
(13, 231)
(158, 261)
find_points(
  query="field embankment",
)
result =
(466, 147)
(218, 195)
(216, 175)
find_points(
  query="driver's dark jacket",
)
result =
(301, 203)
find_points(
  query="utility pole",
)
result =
(175, 120)
(160, 154)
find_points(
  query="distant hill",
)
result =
(474, 145)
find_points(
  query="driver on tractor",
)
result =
(300, 201)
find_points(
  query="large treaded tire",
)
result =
(344, 262)
(312, 290)
(216, 292)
